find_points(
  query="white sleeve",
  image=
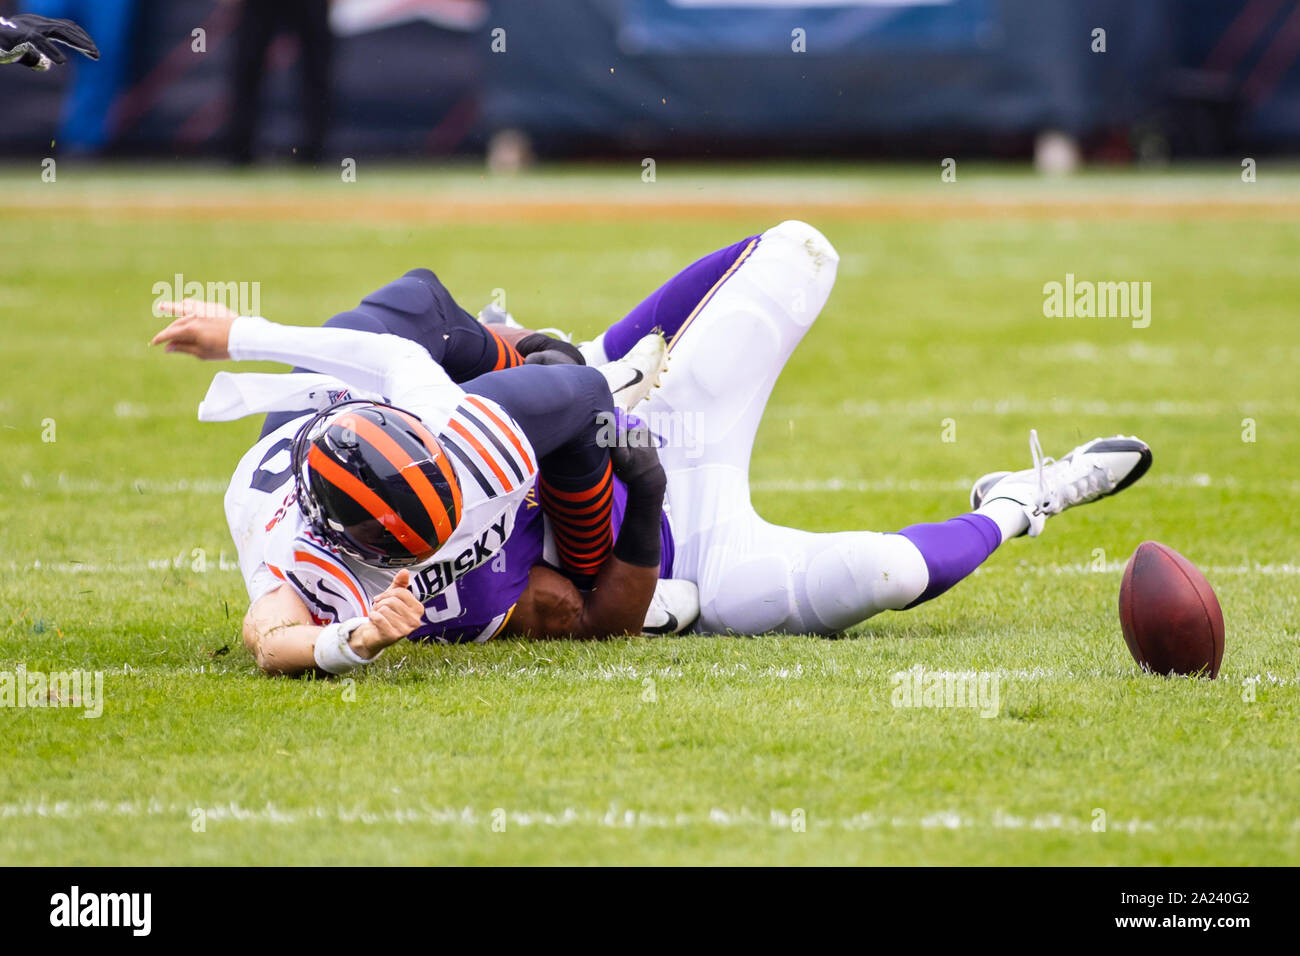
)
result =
(395, 367)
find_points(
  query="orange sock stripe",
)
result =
(603, 483)
(577, 514)
(599, 498)
(584, 567)
(585, 526)
(507, 355)
(582, 542)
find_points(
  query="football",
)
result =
(1171, 619)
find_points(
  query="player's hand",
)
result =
(202, 329)
(636, 459)
(31, 41)
(393, 615)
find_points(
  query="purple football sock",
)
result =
(674, 302)
(952, 549)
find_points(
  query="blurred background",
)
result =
(306, 80)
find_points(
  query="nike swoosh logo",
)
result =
(670, 627)
(638, 375)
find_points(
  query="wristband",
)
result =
(333, 653)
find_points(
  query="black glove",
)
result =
(538, 348)
(30, 40)
(636, 463)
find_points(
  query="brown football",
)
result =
(1170, 617)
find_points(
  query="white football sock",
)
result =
(593, 352)
(1008, 515)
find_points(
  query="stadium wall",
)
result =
(586, 77)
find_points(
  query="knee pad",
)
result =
(859, 574)
(818, 248)
(747, 596)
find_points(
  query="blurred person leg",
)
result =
(258, 24)
(316, 45)
(95, 84)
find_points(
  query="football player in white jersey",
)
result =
(351, 517)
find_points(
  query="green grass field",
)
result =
(115, 554)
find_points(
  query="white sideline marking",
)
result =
(614, 818)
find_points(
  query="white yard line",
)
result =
(133, 486)
(470, 818)
(225, 562)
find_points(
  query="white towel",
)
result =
(235, 395)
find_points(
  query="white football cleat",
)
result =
(593, 352)
(631, 377)
(674, 607)
(1097, 469)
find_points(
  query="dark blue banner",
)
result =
(770, 26)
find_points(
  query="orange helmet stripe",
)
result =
(401, 461)
(352, 486)
(443, 462)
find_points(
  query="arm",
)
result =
(280, 634)
(551, 606)
(397, 368)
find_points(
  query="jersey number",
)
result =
(443, 606)
(268, 481)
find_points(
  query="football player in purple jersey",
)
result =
(732, 320)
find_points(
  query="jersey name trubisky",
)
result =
(438, 577)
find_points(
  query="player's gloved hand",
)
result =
(636, 460)
(538, 348)
(31, 41)
(636, 464)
